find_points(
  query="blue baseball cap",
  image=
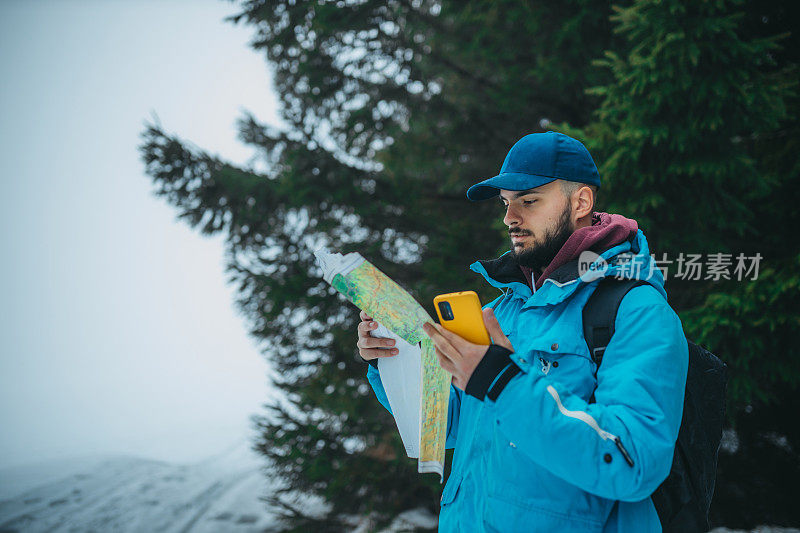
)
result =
(537, 159)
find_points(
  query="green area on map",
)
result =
(435, 398)
(384, 300)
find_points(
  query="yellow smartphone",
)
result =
(460, 312)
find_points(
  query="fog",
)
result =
(118, 331)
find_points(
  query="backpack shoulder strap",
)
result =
(600, 312)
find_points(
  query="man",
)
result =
(544, 440)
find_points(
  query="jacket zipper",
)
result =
(545, 365)
(589, 419)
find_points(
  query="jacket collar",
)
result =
(504, 269)
(565, 273)
(505, 274)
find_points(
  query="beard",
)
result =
(539, 255)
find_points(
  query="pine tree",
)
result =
(394, 109)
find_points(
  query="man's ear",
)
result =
(582, 202)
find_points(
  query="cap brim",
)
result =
(511, 181)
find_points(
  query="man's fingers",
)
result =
(375, 353)
(436, 333)
(444, 362)
(457, 342)
(451, 337)
(365, 327)
(494, 329)
(374, 342)
(370, 347)
(365, 340)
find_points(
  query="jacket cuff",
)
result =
(501, 382)
(495, 363)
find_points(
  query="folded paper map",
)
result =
(390, 305)
(401, 376)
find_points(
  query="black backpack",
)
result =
(683, 499)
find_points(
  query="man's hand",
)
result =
(459, 356)
(370, 347)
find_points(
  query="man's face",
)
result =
(539, 223)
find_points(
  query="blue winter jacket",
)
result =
(542, 457)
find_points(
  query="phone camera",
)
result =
(446, 310)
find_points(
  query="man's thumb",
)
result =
(493, 327)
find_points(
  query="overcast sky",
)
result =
(118, 331)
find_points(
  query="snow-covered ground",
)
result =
(125, 494)
(221, 494)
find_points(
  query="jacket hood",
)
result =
(588, 257)
(605, 231)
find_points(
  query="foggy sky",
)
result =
(118, 332)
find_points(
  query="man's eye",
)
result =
(528, 202)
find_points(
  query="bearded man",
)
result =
(544, 439)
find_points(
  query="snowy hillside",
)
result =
(131, 494)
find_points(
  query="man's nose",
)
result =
(511, 218)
